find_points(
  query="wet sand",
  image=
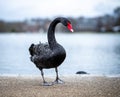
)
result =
(74, 86)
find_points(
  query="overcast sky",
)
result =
(26, 9)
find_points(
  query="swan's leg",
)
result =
(43, 76)
(58, 80)
(44, 82)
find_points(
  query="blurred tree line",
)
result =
(106, 23)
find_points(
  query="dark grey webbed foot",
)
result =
(47, 84)
(58, 81)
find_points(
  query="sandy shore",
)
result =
(77, 86)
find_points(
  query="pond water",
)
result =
(97, 54)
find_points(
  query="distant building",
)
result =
(87, 24)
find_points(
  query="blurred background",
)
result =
(36, 15)
(94, 46)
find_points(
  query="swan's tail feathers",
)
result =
(31, 50)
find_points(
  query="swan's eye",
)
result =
(69, 26)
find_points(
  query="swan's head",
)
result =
(68, 24)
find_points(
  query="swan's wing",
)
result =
(40, 51)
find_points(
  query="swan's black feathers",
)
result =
(40, 49)
(44, 57)
(41, 55)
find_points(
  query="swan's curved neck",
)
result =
(51, 33)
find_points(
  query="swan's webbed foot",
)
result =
(58, 81)
(47, 84)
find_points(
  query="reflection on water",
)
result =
(94, 53)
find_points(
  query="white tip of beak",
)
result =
(71, 30)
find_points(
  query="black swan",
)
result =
(51, 54)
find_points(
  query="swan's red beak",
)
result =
(69, 26)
